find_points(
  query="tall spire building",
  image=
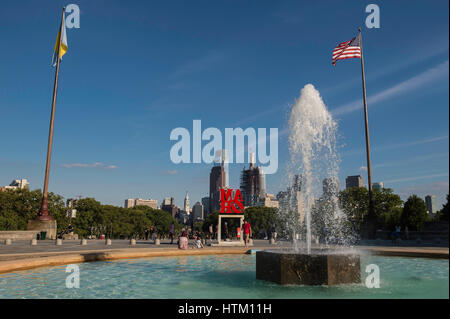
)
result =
(187, 209)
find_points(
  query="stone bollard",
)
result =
(8, 241)
(34, 242)
(132, 242)
(418, 240)
(157, 241)
(58, 242)
(250, 242)
(108, 242)
(272, 241)
(83, 242)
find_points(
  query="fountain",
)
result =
(312, 147)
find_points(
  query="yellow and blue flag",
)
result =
(62, 42)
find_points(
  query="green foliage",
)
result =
(93, 218)
(211, 219)
(414, 213)
(355, 203)
(19, 206)
(261, 218)
(198, 226)
(443, 213)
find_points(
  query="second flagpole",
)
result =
(371, 218)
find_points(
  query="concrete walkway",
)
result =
(21, 255)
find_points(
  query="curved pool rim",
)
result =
(37, 260)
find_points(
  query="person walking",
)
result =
(210, 231)
(226, 230)
(247, 232)
(147, 231)
(274, 233)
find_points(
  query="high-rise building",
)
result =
(168, 205)
(354, 181)
(205, 203)
(217, 181)
(132, 202)
(330, 187)
(197, 212)
(221, 159)
(253, 184)
(379, 186)
(430, 201)
(187, 208)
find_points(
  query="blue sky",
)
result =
(135, 70)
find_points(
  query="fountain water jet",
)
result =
(312, 148)
(313, 153)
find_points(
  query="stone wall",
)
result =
(18, 234)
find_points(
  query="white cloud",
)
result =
(415, 178)
(93, 165)
(363, 169)
(413, 83)
(171, 172)
(400, 145)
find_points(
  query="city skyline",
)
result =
(112, 138)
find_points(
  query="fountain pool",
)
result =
(221, 276)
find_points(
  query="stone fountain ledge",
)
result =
(21, 256)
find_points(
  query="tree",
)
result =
(211, 219)
(355, 203)
(443, 213)
(19, 206)
(198, 226)
(414, 213)
(162, 220)
(261, 218)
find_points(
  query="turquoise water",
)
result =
(220, 276)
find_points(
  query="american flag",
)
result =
(347, 50)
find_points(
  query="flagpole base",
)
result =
(48, 226)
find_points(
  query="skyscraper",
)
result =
(187, 209)
(253, 184)
(197, 212)
(354, 181)
(168, 205)
(205, 203)
(217, 181)
(430, 201)
(221, 158)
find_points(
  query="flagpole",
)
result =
(43, 212)
(371, 217)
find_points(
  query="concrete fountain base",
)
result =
(318, 268)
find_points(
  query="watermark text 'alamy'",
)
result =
(256, 139)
